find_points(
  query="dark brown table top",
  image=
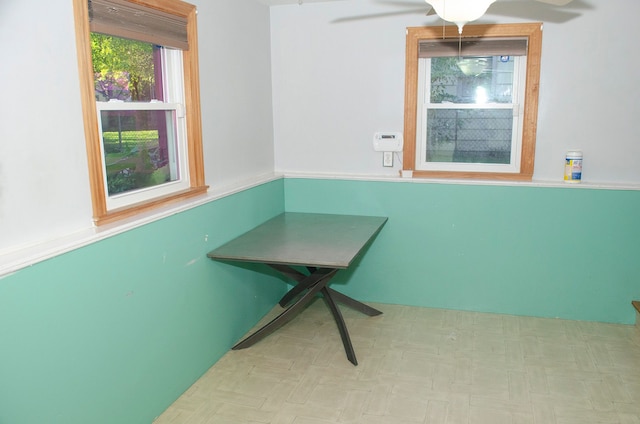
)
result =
(307, 239)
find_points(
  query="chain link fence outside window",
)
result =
(469, 135)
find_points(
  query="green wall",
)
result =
(114, 332)
(570, 253)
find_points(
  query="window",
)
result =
(471, 102)
(139, 86)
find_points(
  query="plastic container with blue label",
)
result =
(573, 167)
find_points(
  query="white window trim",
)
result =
(424, 76)
(173, 89)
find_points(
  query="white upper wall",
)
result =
(235, 81)
(44, 184)
(44, 189)
(336, 83)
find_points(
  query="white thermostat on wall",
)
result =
(387, 142)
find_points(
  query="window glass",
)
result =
(469, 135)
(481, 134)
(486, 79)
(138, 130)
(470, 113)
(139, 149)
(124, 69)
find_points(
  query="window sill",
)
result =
(532, 183)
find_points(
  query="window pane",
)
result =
(469, 135)
(139, 149)
(125, 69)
(487, 79)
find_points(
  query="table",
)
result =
(308, 249)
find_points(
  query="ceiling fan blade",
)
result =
(427, 7)
(556, 2)
(525, 9)
(403, 3)
(379, 15)
(531, 10)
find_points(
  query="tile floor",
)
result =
(419, 365)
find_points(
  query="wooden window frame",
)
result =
(101, 214)
(533, 33)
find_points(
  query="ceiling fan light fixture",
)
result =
(460, 11)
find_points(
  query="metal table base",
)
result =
(306, 289)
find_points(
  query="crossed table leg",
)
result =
(316, 282)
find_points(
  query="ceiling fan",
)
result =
(463, 11)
